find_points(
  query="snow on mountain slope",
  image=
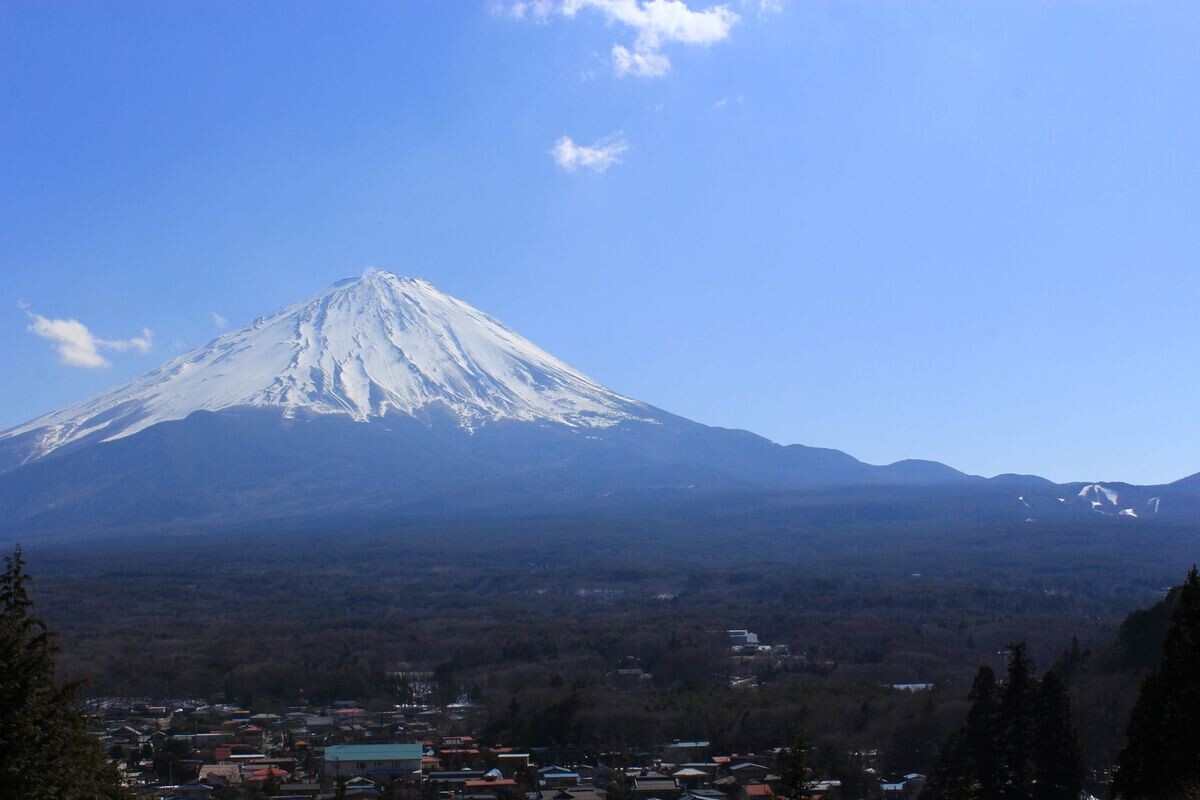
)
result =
(1094, 491)
(365, 347)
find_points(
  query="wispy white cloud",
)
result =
(219, 321)
(642, 65)
(765, 8)
(724, 101)
(654, 24)
(533, 10)
(597, 156)
(659, 21)
(79, 347)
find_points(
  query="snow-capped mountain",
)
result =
(365, 347)
(382, 397)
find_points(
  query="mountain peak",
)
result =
(364, 347)
(380, 278)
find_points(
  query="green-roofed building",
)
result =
(371, 760)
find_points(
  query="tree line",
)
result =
(1019, 740)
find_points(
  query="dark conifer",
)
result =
(1018, 705)
(1058, 772)
(1018, 742)
(982, 734)
(951, 778)
(967, 767)
(45, 749)
(1161, 758)
(796, 779)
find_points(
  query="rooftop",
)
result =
(373, 752)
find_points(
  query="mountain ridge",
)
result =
(381, 392)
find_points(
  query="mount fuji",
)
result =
(365, 348)
(382, 397)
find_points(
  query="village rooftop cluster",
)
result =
(197, 751)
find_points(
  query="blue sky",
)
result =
(964, 231)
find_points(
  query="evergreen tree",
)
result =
(1058, 759)
(968, 766)
(1161, 758)
(1018, 719)
(951, 778)
(1018, 742)
(617, 786)
(981, 736)
(45, 749)
(1073, 661)
(796, 778)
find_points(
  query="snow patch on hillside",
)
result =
(1097, 490)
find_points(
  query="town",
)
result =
(193, 751)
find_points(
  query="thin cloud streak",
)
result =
(77, 346)
(598, 156)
